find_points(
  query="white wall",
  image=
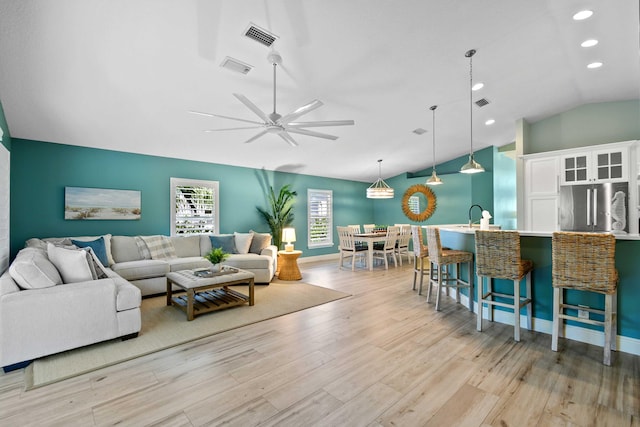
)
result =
(4, 208)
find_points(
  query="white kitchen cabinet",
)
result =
(593, 166)
(542, 192)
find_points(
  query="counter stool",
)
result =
(498, 257)
(440, 259)
(420, 257)
(585, 262)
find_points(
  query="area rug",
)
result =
(164, 327)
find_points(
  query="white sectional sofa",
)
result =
(47, 307)
(42, 315)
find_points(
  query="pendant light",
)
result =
(379, 189)
(471, 166)
(434, 179)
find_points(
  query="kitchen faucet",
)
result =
(472, 206)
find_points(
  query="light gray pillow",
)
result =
(71, 263)
(32, 270)
(243, 242)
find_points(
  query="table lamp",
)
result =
(289, 236)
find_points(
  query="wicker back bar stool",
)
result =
(420, 257)
(440, 259)
(585, 262)
(498, 257)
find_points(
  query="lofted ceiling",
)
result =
(123, 74)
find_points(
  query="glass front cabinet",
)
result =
(610, 165)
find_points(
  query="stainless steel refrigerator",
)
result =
(595, 207)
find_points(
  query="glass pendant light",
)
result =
(471, 166)
(434, 179)
(379, 189)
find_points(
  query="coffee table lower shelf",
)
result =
(210, 300)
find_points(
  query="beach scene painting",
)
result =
(82, 203)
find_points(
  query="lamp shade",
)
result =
(471, 166)
(289, 236)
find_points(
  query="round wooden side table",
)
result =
(289, 265)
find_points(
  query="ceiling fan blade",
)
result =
(225, 117)
(302, 110)
(250, 105)
(284, 135)
(319, 124)
(312, 133)
(256, 136)
(246, 127)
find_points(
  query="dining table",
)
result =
(370, 238)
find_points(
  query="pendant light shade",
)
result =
(434, 179)
(379, 189)
(471, 166)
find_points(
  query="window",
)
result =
(320, 218)
(195, 209)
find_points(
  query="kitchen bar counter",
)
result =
(464, 228)
(536, 246)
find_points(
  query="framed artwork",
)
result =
(82, 203)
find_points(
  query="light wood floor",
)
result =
(380, 357)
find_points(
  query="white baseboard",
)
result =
(575, 333)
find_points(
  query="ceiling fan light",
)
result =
(434, 179)
(471, 166)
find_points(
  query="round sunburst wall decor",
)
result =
(429, 209)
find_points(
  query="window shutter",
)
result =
(195, 208)
(320, 218)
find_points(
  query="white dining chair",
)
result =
(348, 247)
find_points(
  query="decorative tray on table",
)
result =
(206, 272)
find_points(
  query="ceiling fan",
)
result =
(276, 123)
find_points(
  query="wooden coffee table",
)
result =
(205, 294)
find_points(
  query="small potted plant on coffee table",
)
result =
(215, 257)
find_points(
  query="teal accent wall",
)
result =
(589, 124)
(6, 137)
(505, 203)
(453, 198)
(40, 171)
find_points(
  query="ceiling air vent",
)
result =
(419, 131)
(482, 102)
(236, 65)
(260, 35)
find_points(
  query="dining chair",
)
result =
(421, 264)
(348, 247)
(387, 248)
(368, 228)
(585, 262)
(498, 257)
(402, 246)
(440, 259)
(355, 227)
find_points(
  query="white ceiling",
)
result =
(122, 74)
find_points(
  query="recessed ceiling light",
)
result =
(477, 86)
(583, 14)
(589, 43)
(489, 122)
(595, 65)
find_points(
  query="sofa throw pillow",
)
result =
(32, 270)
(243, 242)
(97, 268)
(98, 246)
(160, 247)
(143, 250)
(259, 242)
(224, 241)
(71, 263)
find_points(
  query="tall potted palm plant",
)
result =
(280, 212)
